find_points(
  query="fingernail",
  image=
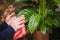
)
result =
(22, 15)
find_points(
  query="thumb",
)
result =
(12, 14)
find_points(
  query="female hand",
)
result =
(14, 22)
(18, 24)
(11, 18)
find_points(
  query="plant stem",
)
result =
(39, 6)
(42, 5)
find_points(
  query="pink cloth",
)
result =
(20, 33)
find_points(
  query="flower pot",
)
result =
(37, 35)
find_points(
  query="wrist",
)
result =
(13, 27)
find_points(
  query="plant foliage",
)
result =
(41, 15)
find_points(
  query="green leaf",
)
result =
(20, 1)
(27, 12)
(50, 12)
(57, 15)
(33, 22)
(58, 2)
(43, 29)
(48, 21)
(49, 29)
(51, 4)
(55, 22)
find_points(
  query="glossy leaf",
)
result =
(58, 2)
(57, 15)
(55, 22)
(48, 21)
(27, 12)
(51, 4)
(50, 12)
(33, 22)
(49, 29)
(43, 29)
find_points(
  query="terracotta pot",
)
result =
(37, 35)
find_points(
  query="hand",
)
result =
(9, 18)
(7, 15)
(17, 23)
(12, 20)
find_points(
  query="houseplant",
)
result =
(40, 16)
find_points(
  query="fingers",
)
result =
(13, 18)
(21, 18)
(21, 22)
(12, 14)
(10, 17)
(19, 26)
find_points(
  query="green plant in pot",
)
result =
(41, 17)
